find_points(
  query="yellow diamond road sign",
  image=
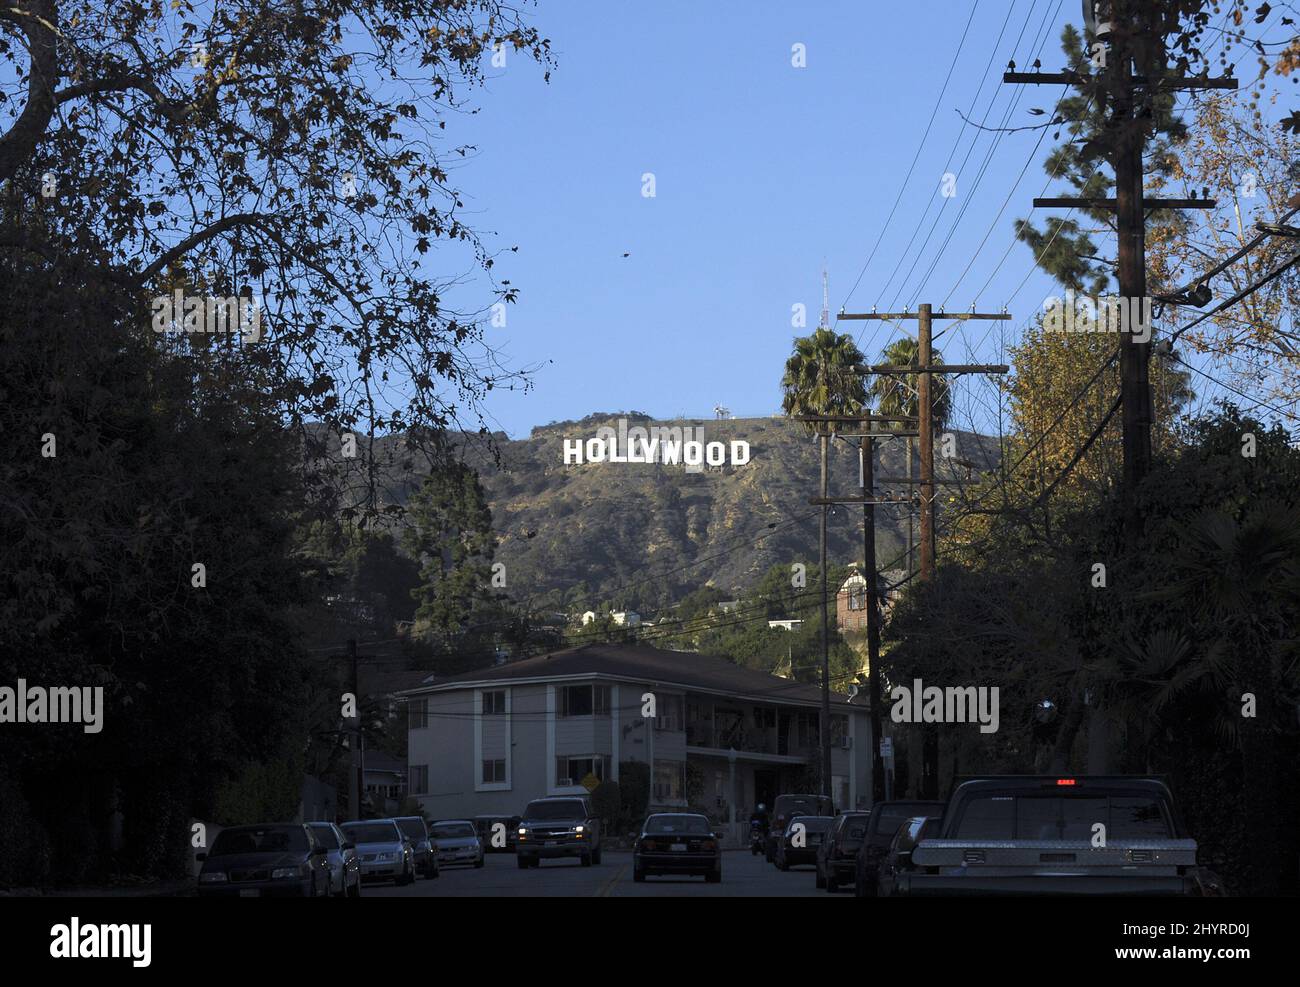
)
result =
(591, 782)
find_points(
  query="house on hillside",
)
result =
(851, 603)
(723, 737)
(785, 625)
(626, 618)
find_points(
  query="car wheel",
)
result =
(754, 850)
(595, 856)
(478, 863)
(356, 888)
(713, 877)
(781, 864)
(832, 885)
(522, 862)
(638, 874)
(769, 856)
(586, 859)
(820, 879)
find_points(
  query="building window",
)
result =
(839, 729)
(417, 779)
(571, 771)
(494, 772)
(584, 700)
(670, 714)
(807, 726)
(699, 725)
(858, 598)
(764, 718)
(494, 703)
(670, 781)
(418, 710)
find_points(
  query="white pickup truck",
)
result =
(1032, 835)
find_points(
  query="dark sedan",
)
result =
(342, 857)
(899, 857)
(801, 840)
(886, 817)
(262, 861)
(677, 843)
(837, 856)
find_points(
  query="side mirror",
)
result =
(718, 835)
(200, 856)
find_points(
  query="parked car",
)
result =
(341, 855)
(558, 826)
(677, 843)
(415, 829)
(799, 843)
(837, 855)
(1035, 835)
(386, 855)
(787, 807)
(899, 857)
(456, 842)
(508, 835)
(278, 859)
(886, 817)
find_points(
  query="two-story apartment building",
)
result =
(489, 741)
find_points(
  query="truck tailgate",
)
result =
(1051, 867)
(1055, 856)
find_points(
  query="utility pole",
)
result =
(923, 370)
(925, 316)
(824, 438)
(867, 452)
(868, 501)
(1124, 42)
(925, 440)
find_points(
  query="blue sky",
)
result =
(762, 172)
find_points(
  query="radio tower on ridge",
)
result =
(826, 301)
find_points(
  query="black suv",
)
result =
(558, 826)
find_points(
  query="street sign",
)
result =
(591, 782)
(886, 747)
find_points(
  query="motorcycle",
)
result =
(757, 837)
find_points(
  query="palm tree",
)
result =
(897, 397)
(820, 379)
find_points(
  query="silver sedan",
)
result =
(457, 841)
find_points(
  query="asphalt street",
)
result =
(743, 876)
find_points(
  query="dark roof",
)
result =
(378, 681)
(643, 663)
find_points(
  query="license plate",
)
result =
(250, 892)
(678, 848)
(552, 843)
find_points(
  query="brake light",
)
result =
(1065, 781)
(709, 845)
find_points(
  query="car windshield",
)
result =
(812, 824)
(811, 805)
(451, 831)
(251, 839)
(413, 828)
(372, 832)
(559, 809)
(325, 837)
(1055, 817)
(697, 825)
(893, 816)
